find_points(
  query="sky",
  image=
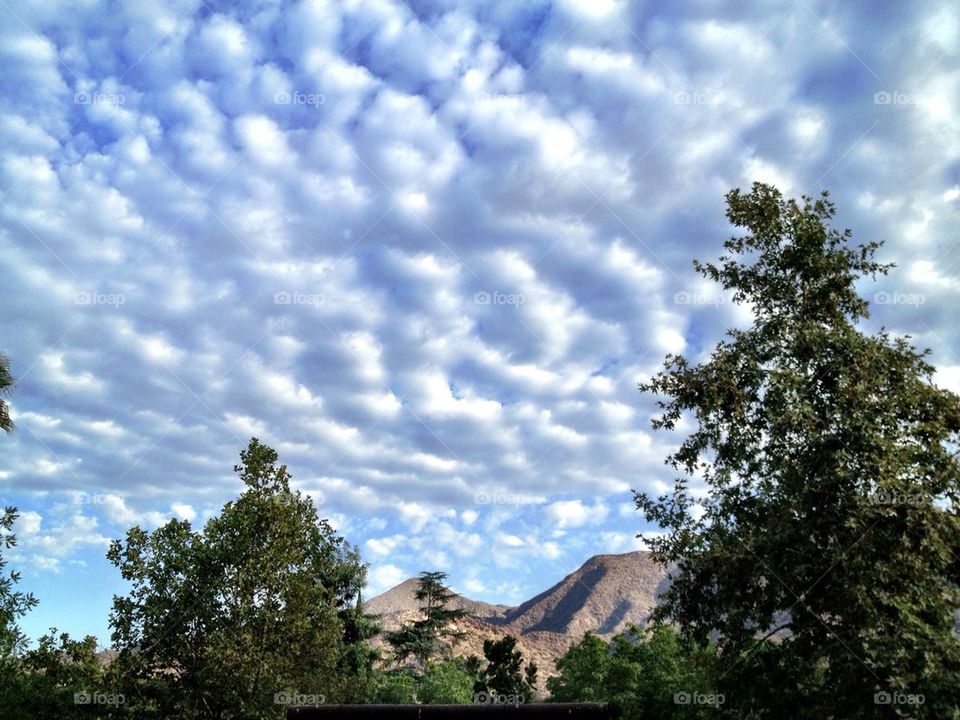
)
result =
(426, 250)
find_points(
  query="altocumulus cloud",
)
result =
(426, 250)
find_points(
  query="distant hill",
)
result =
(400, 598)
(605, 595)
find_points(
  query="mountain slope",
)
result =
(400, 598)
(605, 595)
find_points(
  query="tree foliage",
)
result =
(395, 687)
(61, 678)
(429, 636)
(447, 682)
(818, 494)
(13, 603)
(444, 682)
(505, 673)
(261, 603)
(6, 384)
(582, 672)
(657, 675)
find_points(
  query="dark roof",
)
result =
(569, 711)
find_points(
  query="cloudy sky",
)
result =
(426, 250)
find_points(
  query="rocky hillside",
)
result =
(605, 595)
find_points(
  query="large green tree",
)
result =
(582, 672)
(258, 607)
(655, 675)
(817, 496)
(429, 636)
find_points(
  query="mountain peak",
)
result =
(605, 595)
(401, 599)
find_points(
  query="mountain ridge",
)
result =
(605, 595)
(401, 598)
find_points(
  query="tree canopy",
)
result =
(260, 604)
(13, 603)
(429, 636)
(650, 675)
(505, 674)
(817, 495)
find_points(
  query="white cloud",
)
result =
(415, 515)
(264, 141)
(511, 541)
(183, 511)
(448, 275)
(383, 577)
(472, 585)
(28, 523)
(44, 542)
(383, 547)
(574, 513)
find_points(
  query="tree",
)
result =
(258, 606)
(395, 687)
(6, 383)
(62, 678)
(445, 683)
(504, 674)
(359, 658)
(430, 636)
(582, 672)
(13, 605)
(656, 675)
(817, 501)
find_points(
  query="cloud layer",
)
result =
(426, 250)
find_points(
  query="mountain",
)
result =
(605, 595)
(401, 598)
